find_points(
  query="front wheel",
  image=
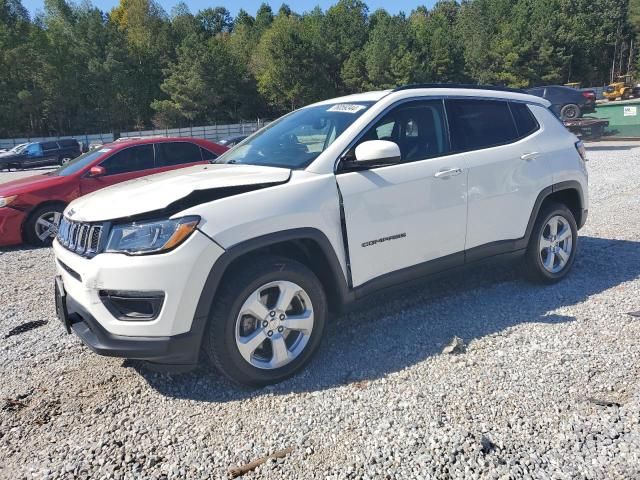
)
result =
(552, 245)
(42, 225)
(267, 321)
(63, 161)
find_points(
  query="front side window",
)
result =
(477, 124)
(80, 163)
(131, 159)
(417, 127)
(177, 153)
(34, 150)
(297, 139)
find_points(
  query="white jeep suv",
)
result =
(244, 258)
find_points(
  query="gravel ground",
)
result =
(548, 387)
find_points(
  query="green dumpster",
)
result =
(623, 116)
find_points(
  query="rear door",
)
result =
(172, 155)
(50, 153)
(126, 164)
(414, 211)
(507, 168)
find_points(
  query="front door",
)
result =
(125, 164)
(413, 212)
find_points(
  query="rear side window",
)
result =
(130, 159)
(50, 145)
(477, 124)
(207, 155)
(526, 123)
(177, 153)
(68, 143)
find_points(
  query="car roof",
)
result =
(443, 89)
(356, 97)
(124, 142)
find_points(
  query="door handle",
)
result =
(529, 156)
(450, 172)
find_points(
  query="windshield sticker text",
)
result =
(346, 108)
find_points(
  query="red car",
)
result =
(30, 208)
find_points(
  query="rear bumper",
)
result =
(11, 226)
(180, 349)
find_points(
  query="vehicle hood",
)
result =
(174, 190)
(9, 155)
(29, 184)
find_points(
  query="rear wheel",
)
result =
(64, 161)
(570, 111)
(267, 321)
(552, 245)
(42, 225)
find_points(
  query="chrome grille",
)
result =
(80, 237)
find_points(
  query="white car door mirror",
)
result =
(377, 152)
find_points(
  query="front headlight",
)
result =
(156, 236)
(4, 201)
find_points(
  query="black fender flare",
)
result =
(544, 194)
(221, 265)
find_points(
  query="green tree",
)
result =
(215, 21)
(437, 45)
(388, 57)
(344, 32)
(289, 66)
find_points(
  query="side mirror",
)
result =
(97, 171)
(377, 152)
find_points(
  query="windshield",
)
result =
(19, 148)
(79, 163)
(296, 140)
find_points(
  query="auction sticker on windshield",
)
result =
(346, 108)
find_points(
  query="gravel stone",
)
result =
(547, 388)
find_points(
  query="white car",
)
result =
(245, 258)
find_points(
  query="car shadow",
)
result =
(23, 247)
(610, 148)
(395, 330)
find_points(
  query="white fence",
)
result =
(6, 143)
(210, 132)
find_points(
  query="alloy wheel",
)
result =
(274, 325)
(47, 225)
(556, 244)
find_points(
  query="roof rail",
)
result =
(458, 85)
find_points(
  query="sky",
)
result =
(251, 6)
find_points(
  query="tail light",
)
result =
(589, 95)
(582, 151)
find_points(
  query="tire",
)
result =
(257, 364)
(626, 95)
(34, 227)
(63, 161)
(570, 111)
(539, 267)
